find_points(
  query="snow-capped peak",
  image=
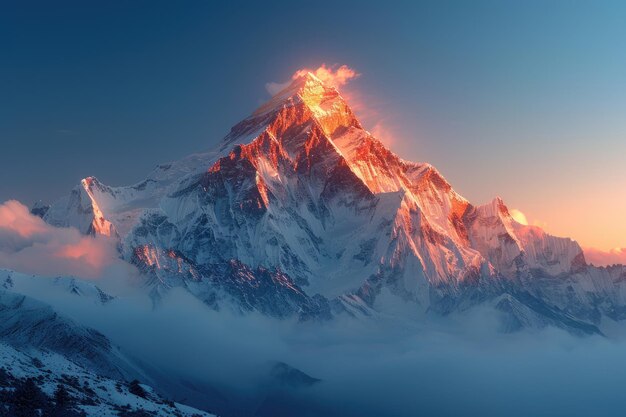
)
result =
(299, 200)
(324, 102)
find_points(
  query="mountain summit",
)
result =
(301, 211)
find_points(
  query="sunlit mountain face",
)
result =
(301, 212)
(257, 278)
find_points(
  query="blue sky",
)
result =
(522, 99)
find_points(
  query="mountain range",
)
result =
(300, 214)
(300, 211)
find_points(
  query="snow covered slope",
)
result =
(28, 323)
(39, 340)
(300, 211)
(86, 391)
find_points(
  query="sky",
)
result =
(523, 100)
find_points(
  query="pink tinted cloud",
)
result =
(16, 217)
(28, 244)
(600, 257)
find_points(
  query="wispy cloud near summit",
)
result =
(333, 75)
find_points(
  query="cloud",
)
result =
(330, 75)
(518, 216)
(15, 216)
(334, 76)
(368, 367)
(600, 257)
(28, 244)
(383, 133)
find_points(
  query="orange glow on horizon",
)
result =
(599, 257)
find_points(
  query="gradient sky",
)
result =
(525, 99)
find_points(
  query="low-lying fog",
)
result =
(367, 367)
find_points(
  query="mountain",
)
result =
(300, 211)
(39, 375)
(28, 323)
(42, 349)
(46, 341)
